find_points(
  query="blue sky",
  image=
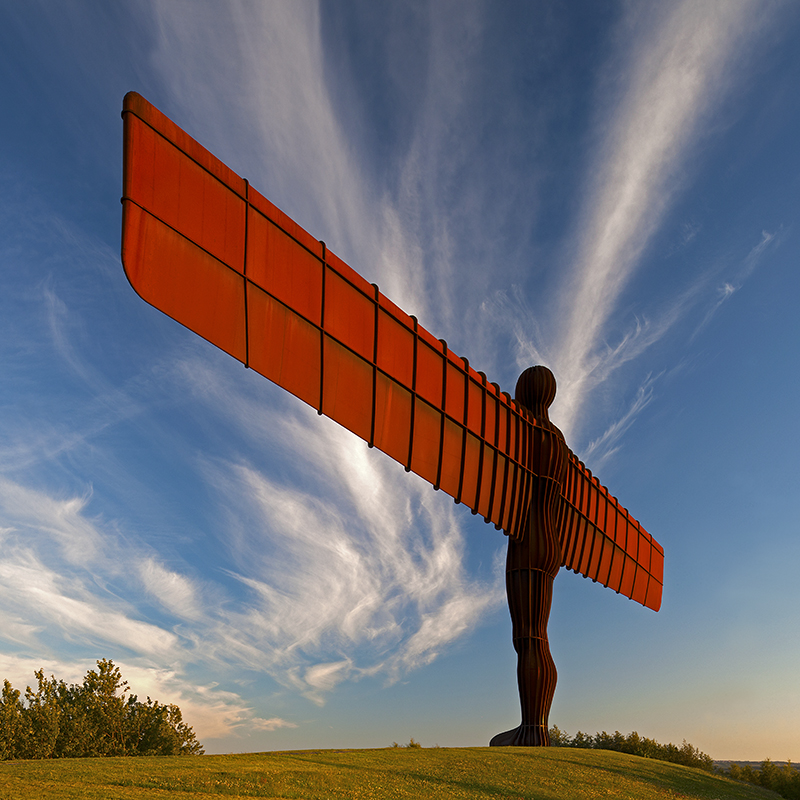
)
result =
(607, 188)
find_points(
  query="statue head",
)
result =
(536, 390)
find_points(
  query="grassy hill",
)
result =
(397, 773)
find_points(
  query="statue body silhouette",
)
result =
(532, 563)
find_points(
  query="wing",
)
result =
(201, 245)
(602, 541)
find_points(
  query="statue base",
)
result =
(523, 736)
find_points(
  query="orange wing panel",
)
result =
(429, 370)
(203, 246)
(188, 189)
(392, 418)
(601, 541)
(347, 388)
(349, 316)
(395, 355)
(426, 444)
(284, 347)
(288, 272)
(184, 281)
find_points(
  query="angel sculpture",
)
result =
(201, 245)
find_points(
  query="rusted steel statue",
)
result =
(201, 245)
(532, 563)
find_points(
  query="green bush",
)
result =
(784, 780)
(634, 745)
(90, 719)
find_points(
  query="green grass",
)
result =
(441, 773)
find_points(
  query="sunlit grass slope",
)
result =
(441, 773)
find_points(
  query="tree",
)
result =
(40, 718)
(11, 709)
(582, 740)
(158, 729)
(559, 738)
(90, 719)
(105, 709)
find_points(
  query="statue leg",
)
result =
(530, 595)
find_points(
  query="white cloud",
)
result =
(679, 70)
(174, 591)
(271, 724)
(384, 584)
(740, 274)
(56, 574)
(322, 678)
(60, 518)
(604, 447)
(265, 89)
(346, 556)
(38, 599)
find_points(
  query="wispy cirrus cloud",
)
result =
(356, 578)
(353, 574)
(734, 282)
(693, 299)
(73, 583)
(175, 592)
(266, 98)
(57, 571)
(600, 450)
(386, 599)
(679, 67)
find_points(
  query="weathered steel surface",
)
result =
(533, 562)
(200, 244)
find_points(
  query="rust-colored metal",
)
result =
(533, 562)
(201, 245)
